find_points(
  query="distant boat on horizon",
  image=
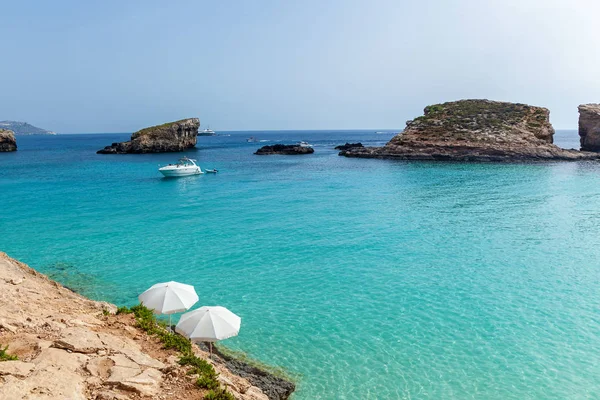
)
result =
(207, 132)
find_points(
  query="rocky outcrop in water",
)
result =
(284, 149)
(7, 141)
(348, 146)
(169, 137)
(475, 130)
(589, 127)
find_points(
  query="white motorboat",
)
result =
(304, 144)
(185, 167)
(252, 139)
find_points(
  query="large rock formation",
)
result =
(284, 149)
(475, 130)
(7, 140)
(69, 347)
(589, 127)
(169, 137)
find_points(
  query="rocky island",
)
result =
(7, 141)
(589, 127)
(475, 130)
(56, 344)
(169, 137)
(348, 146)
(284, 149)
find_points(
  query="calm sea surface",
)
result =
(364, 279)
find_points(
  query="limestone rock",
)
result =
(169, 137)
(16, 368)
(147, 383)
(80, 340)
(284, 149)
(100, 367)
(475, 130)
(7, 140)
(589, 127)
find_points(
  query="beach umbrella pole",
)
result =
(210, 345)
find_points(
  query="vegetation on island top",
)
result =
(207, 376)
(478, 114)
(4, 356)
(156, 127)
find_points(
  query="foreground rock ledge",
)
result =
(169, 137)
(7, 140)
(69, 349)
(589, 127)
(284, 149)
(475, 130)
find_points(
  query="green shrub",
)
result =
(143, 312)
(205, 382)
(218, 394)
(199, 366)
(123, 310)
(176, 342)
(4, 356)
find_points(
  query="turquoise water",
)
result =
(365, 279)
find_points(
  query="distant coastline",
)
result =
(24, 128)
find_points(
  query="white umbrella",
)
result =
(209, 324)
(169, 298)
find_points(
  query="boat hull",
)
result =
(178, 172)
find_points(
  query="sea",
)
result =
(359, 278)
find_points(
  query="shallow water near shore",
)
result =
(366, 279)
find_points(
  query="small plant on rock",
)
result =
(218, 394)
(123, 310)
(4, 356)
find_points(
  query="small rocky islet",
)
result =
(7, 141)
(348, 146)
(170, 137)
(482, 130)
(284, 149)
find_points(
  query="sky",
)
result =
(118, 66)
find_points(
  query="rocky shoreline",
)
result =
(475, 130)
(72, 347)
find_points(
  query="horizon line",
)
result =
(391, 130)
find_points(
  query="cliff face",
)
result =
(7, 140)
(475, 130)
(589, 127)
(169, 137)
(74, 348)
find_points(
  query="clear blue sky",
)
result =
(117, 66)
